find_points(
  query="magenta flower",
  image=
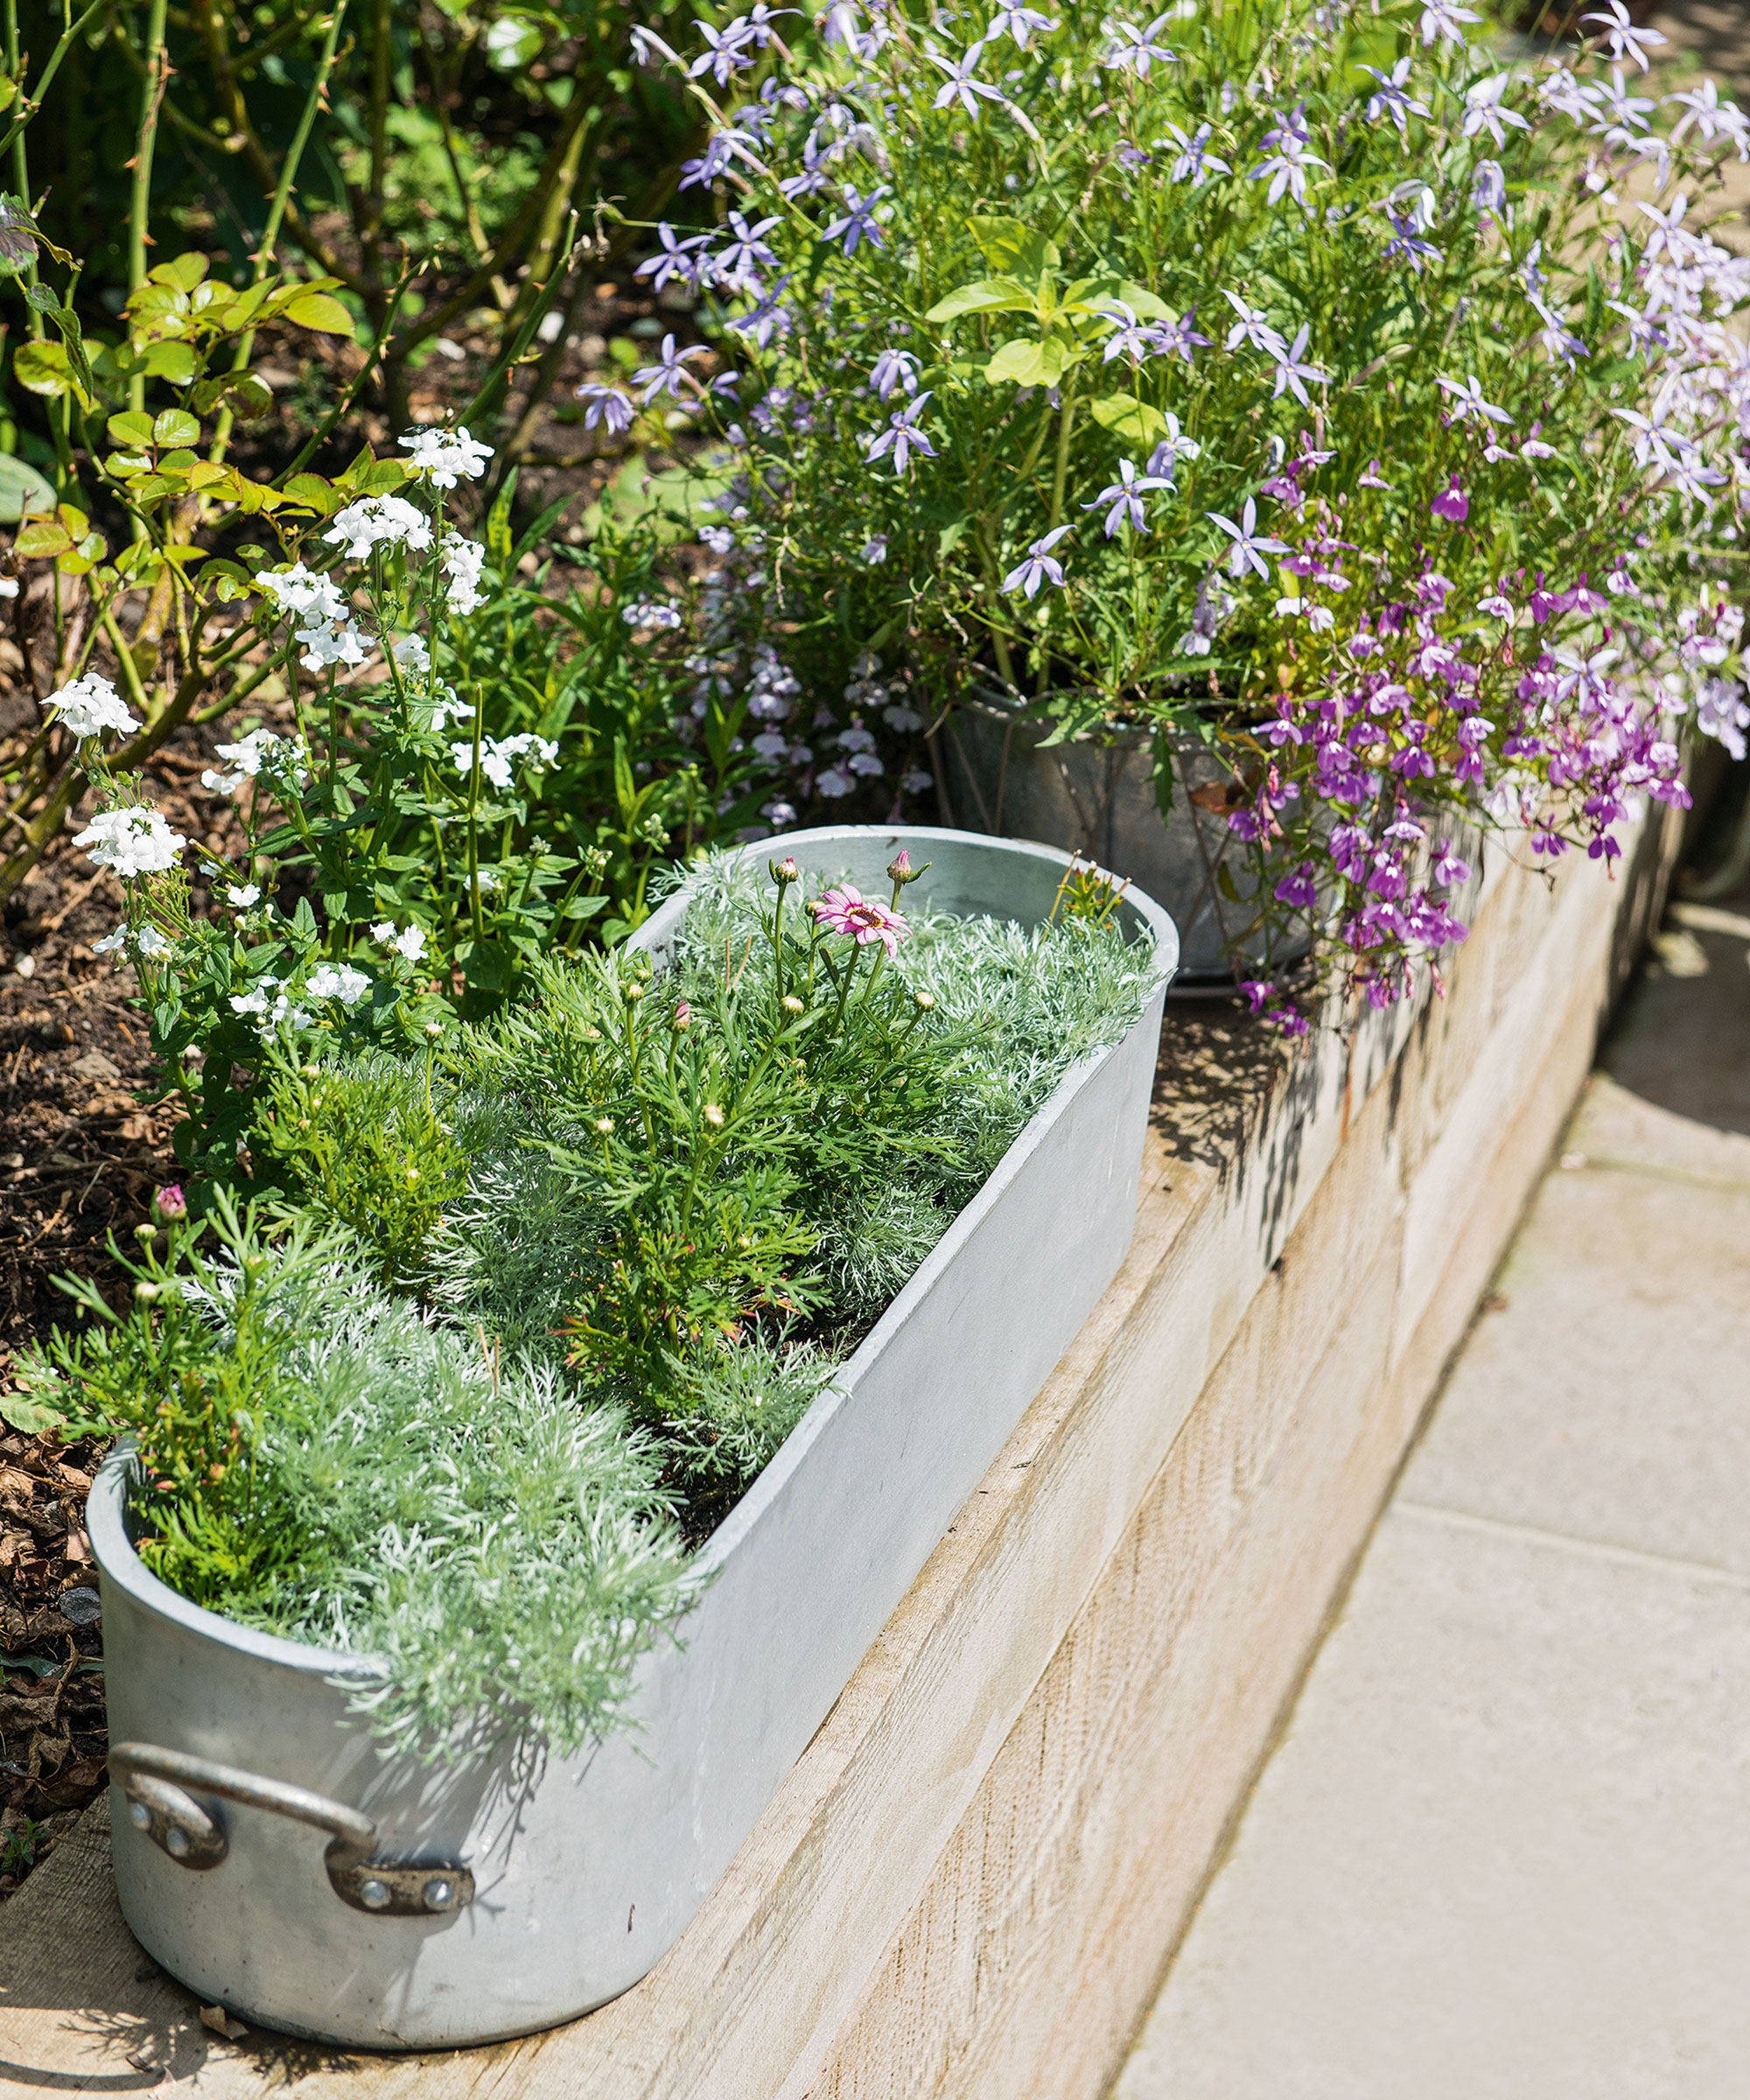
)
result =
(848, 911)
(1451, 502)
(169, 1206)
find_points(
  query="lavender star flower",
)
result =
(747, 251)
(1194, 162)
(1407, 242)
(1135, 50)
(1394, 99)
(608, 407)
(894, 368)
(666, 374)
(1286, 168)
(1130, 337)
(857, 222)
(1483, 110)
(1019, 22)
(1252, 328)
(1467, 401)
(727, 55)
(1250, 545)
(1125, 496)
(902, 437)
(1441, 20)
(675, 260)
(1180, 339)
(1291, 372)
(959, 86)
(1620, 32)
(1039, 567)
(1172, 449)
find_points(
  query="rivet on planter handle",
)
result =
(155, 1782)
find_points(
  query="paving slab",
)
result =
(1501, 1853)
(1605, 1393)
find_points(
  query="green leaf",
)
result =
(1131, 421)
(987, 295)
(1162, 755)
(22, 490)
(132, 426)
(175, 427)
(175, 362)
(43, 368)
(1013, 246)
(19, 1410)
(498, 524)
(1028, 364)
(48, 537)
(183, 271)
(318, 310)
(950, 536)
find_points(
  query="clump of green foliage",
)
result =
(316, 1459)
(546, 1299)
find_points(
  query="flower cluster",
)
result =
(1324, 385)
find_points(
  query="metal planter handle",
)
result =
(155, 1782)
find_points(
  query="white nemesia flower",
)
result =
(410, 945)
(378, 520)
(383, 931)
(133, 840)
(110, 943)
(411, 653)
(243, 894)
(341, 982)
(440, 456)
(90, 705)
(142, 941)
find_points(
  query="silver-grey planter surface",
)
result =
(586, 1870)
(1097, 797)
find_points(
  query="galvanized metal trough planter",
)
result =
(468, 1900)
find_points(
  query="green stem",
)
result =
(145, 143)
(288, 175)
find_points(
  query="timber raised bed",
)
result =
(972, 1877)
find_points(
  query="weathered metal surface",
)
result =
(1096, 796)
(586, 1870)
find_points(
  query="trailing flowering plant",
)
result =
(1305, 378)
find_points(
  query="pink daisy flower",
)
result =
(848, 911)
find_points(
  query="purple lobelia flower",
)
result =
(1451, 502)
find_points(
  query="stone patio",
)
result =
(1501, 1849)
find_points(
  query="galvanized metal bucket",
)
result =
(1095, 795)
(479, 1897)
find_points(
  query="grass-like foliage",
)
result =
(541, 1305)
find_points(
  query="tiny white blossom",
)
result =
(440, 456)
(132, 841)
(410, 944)
(243, 894)
(378, 520)
(339, 982)
(91, 705)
